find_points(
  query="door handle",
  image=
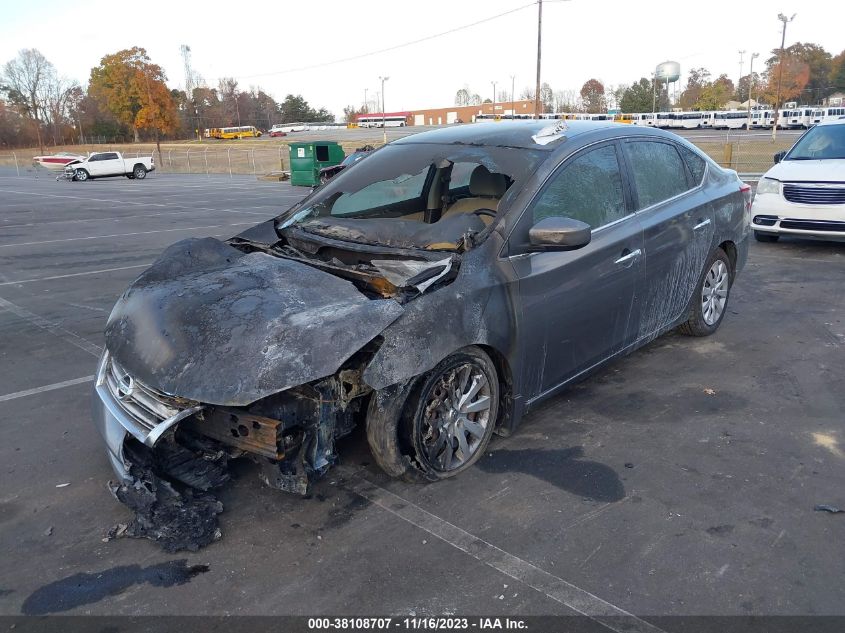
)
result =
(629, 257)
(701, 224)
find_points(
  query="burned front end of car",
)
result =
(274, 344)
(290, 435)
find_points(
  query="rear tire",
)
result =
(710, 299)
(139, 172)
(766, 237)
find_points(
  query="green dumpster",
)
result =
(307, 159)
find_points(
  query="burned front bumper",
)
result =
(123, 408)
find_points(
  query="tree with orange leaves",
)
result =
(132, 88)
(796, 74)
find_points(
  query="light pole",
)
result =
(365, 98)
(383, 119)
(494, 97)
(539, 53)
(654, 93)
(785, 21)
(750, 88)
(513, 103)
(741, 53)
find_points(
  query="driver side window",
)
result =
(588, 188)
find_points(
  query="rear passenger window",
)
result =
(588, 188)
(696, 164)
(658, 171)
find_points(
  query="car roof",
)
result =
(520, 134)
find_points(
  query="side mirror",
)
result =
(559, 234)
(779, 156)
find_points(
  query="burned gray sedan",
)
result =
(433, 293)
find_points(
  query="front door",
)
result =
(579, 306)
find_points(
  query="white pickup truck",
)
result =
(106, 164)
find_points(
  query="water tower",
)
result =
(668, 72)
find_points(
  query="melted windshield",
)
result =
(415, 195)
(823, 142)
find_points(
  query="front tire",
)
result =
(766, 237)
(81, 175)
(710, 300)
(452, 415)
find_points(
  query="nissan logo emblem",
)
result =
(125, 387)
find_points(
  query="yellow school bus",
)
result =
(623, 118)
(244, 131)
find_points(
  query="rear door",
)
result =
(109, 164)
(678, 227)
(579, 305)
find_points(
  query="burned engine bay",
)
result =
(261, 347)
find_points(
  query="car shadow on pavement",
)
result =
(562, 468)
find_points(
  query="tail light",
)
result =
(745, 189)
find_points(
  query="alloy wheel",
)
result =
(714, 292)
(456, 415)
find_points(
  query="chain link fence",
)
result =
(749, 154)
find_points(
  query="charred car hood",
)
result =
(212, 324)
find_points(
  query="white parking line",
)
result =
(54, 328)
(100, 237)
(86, 199)
(87, 272)
(551, 586)
(55, 385)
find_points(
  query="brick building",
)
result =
(466, 114)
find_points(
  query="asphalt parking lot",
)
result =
(679, 481)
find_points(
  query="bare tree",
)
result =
(59, 95)
(547, 97)
(566, 100)
(462, 97)
(24, 81)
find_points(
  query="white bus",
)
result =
(761, 119)
(832, 114)
(790, 119)
(645, 119)
(389, 119)
(688, 120)
(708, 117)
(731, 120)
(665, 120)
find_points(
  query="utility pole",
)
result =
(785, 21)
(383, 119)
(513, 103)
(741, 53)
(366, 107)
(750, 88)
(654, 93)
(539, 55)
(190, 84)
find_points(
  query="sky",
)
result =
(267, 44)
